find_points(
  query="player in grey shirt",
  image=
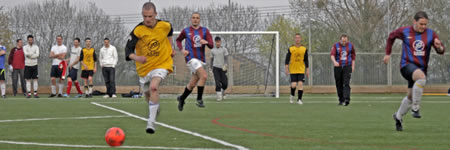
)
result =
(219, 61)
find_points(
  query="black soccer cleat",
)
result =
(52, 95)
(341, 103)
(180, 103)
(398, 123)
(150, 131)
(416, 114)
(347, 102)
(200, 103)
(59, 95)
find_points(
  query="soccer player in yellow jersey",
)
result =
(149, 45)
(88, 60)
(297, 66)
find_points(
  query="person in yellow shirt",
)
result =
(88, 60)
(296, 65)
(149, 45)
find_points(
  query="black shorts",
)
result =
(297, 77)
(73, 74)
(55, 72)
(31, 72)
(2, 74)
(87, 73)
(407, 73)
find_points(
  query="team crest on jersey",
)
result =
(153, 48)
(344, 55)
(196, 40)
(418, 47)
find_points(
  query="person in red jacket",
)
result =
(16, 60)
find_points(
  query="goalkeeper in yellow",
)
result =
(149, 45)
(296, 66)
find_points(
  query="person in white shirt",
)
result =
(31, 52)
(74, 66)
(57, 53)
(108, 61)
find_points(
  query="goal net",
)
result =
(253, 65)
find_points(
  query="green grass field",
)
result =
(246, 122)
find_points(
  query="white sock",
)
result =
(60, 86)
(152, 113)
(142, 88)
(53, 89)
(404, 108)
(417, 92)
(90, 89)
(28, 86)
(35, 85)
(3, 87)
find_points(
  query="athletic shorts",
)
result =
(162, 73)
(407, 73)
(86, 74)
(297, 77)
(31, 72)
(55, 72)
(73, 74)
(194, 64)
(2, 74)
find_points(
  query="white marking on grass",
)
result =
(284, 102)
(100, 146)
(63, 118)
(174, 128)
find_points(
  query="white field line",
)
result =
(174, 128)
(286, 101)
(100, 146)
(62, 118)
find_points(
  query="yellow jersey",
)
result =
(297, 59)
(154, 44)
(88, 57)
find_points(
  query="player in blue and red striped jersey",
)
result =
(343, 57)
(416, 48)
(196, 39)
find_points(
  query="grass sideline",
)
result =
(252, 122)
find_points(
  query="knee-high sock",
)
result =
(200, 92)
(77, 85)
(404, 108)
(60, 87)
(28, 86)
(417, 92)
(292, 91)
(86, 90)
(69, 87)
(300, 94)
(35, 86)
(185, 93)
(152, 111)
(3, 87)
(90, 88)
(53, 89)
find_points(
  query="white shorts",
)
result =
(194, 64)
(162, 73)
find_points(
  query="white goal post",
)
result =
(277, 49)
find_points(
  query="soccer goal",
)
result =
(253, 64)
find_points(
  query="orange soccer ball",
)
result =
(115, 136)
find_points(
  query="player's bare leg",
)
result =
(202, 75)
(293, 88)
(152, 97)
(187, 90)
(91, 85)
